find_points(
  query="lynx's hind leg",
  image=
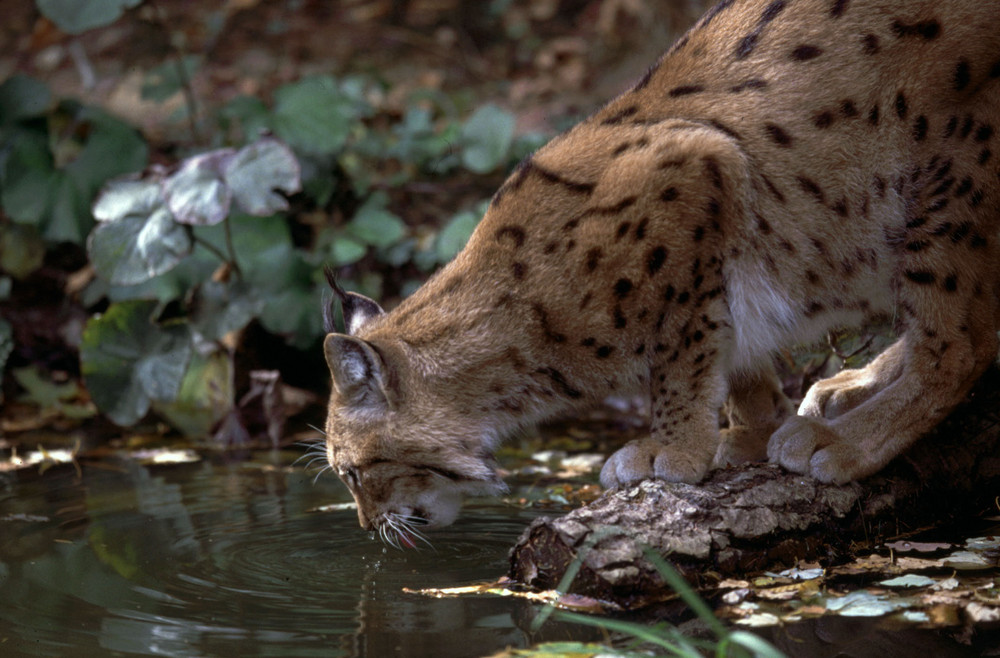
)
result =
(950, 303)
(835, 396)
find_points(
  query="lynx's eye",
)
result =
(350, 476)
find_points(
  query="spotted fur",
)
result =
(788, 167)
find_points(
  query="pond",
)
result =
(222, 559)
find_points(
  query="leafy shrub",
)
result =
(188, 254)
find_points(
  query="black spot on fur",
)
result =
(655, 259)
(806, 52)
(775, 192)
(870, 44)
(923, 277)
(962, 75)
(685, 90)
(966, 128)
(748, 85)
(951, 126)
(713, 172)
(518, 269)
(718, 125)
(920, 128)
(543, 320)
(873, 115)
(838, 8)
(515, 233)
(620, 116)
(983, 133)
(604, 351)
(640, 229)
(823, 120)
(927, 30)
(778, 135)
(622, 230)
(811, 187)
(901, 105)
(669, 194)
(593, 258)
(560, 381)
(623, 287)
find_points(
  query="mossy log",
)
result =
(745, 520)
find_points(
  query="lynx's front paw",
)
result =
(807, 445)
(650, 459)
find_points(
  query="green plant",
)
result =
(149, 227)
(665, 637)
(55, 158)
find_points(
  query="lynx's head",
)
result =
(394, 435)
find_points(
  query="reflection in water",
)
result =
(226, 559)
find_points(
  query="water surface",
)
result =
(226, 559)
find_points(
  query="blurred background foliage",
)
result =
(174, 175)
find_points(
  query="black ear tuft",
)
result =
(357, 309)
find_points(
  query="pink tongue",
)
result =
(407, 540)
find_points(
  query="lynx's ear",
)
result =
(359, 374)
(357, 309)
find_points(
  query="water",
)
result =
(216, 559)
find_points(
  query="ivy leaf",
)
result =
(257, 170)
(205, 395)
(196, 193)
(22, 96)
(138, 247)
(221, 308)
(374, 225)
(314, 115)
(345, 250)
(74, 16)
(127, 361)
(487, 134)
(128, 196)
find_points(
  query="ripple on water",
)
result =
(212, 561)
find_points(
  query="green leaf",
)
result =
(345, 250)
(257, 170)
(127, 360)
(205, 396)
(196, 193)
(27, 178)
(57, 200)
(376, 226)
(76, 16)
(455, 234)
(487, 135)
(135, 249)
(251, 113)
(42, 391)
(314, 115)
(113, 148)
(22, 96)
(222, 308)
(128, 196)
(21, 250)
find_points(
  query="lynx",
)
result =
(787, 167)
